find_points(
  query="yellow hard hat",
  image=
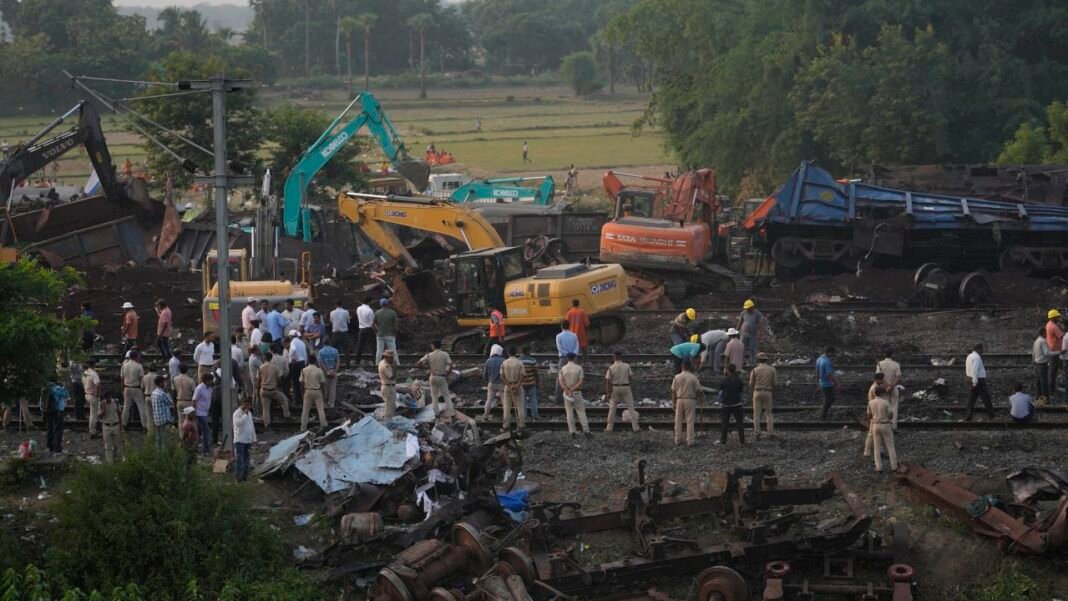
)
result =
(748, 304)
(695, 338)
(691, 313)
(1053, 314)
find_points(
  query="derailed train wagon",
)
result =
(816, 221)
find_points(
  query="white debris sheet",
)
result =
(370, 453)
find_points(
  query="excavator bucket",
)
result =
(419, 294)
(416, 172)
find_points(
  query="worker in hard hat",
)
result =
(1055, 340)
(681, 326)
(749, 324)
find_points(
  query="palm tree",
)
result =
(261, 8)
(307, 38)
(349, 25)
(367, 22)
(191, 31)
(420, 23)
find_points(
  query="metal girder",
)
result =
(985, 519)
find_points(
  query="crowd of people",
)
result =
(285, 356)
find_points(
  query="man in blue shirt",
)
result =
(162, 405)
(328, 361)
(687, 351)
(567, 342)
(491, 375)
(276, 323)
(828, 382)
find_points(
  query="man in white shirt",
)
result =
(976, 374)
(339, 328)
(298, 360)
(715, 341)
(255, 337)
(244, 437)
(204, 356)
(237, 353)
(1041, 355)
(365, 320)
(265, 308)
(173, 364)
(306, 316)
(247, 315)
(1021, 405)
(292, 314)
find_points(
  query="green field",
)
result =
(560, 129)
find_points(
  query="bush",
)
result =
(169, 528)
(579, 71)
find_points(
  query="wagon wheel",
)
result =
(721, 583)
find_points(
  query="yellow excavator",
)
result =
(242, 288)
(487, 273)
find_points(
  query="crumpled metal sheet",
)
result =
(1037, 484)
(281, 454)
(370, 453)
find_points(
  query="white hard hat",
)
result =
(294, 333)
(732, 332)
(127, 305)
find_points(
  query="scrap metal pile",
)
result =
(431, 512)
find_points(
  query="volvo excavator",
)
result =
(668, 229)
(27, 158)
(485, 272)
(297, 216)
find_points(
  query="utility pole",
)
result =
(222, 181)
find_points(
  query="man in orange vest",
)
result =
(580, 323)
(496, 327)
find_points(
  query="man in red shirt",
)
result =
(580, 323)
(164, 329)
(496, 328)
(1054, 337)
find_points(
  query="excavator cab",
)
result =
(636, 203)
(479, 278)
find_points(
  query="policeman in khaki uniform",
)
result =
(570, 381)
(512, 397)
(269, 378)
(313, 381)
(91, 384)
(882, 433)
(762, 380)
(685, 393)
(891, 371)
(183, 389)
(440, 364)
(132, 375)
(617, 389)
(109, 419)
(386, 374)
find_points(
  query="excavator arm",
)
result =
(35, 154)
(330, 142)
(374, 213)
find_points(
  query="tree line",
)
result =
(752, 87)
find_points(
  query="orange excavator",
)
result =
(668, 229)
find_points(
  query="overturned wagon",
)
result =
(814, 220)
